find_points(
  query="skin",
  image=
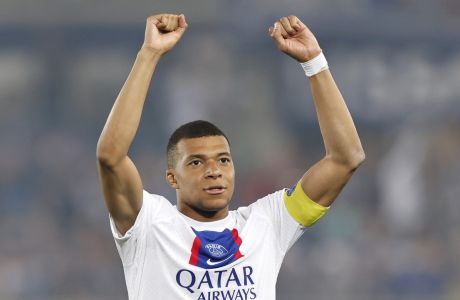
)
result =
(203, 163)
(120, 180)
(344, 154)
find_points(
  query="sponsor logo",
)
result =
(216, 250)
(240, 294)
(213, 263)
(232, 284)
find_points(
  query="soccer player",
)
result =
(199, 249)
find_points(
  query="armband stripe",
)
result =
(304, 210)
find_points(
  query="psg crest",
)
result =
(213, 249)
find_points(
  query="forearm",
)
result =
(124, 118)
(340, 137)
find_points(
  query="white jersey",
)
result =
(169, 256)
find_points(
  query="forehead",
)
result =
(207, 145)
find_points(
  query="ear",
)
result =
(171, 179)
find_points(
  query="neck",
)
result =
(202, 215)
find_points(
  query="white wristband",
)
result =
(315, 65)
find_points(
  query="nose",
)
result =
(213, 170)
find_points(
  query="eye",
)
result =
(195, 162)
(224, 160)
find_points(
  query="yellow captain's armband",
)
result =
(301, 207)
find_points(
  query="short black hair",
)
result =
(194, 129)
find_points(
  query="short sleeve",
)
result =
(287, 230)
(135, 238)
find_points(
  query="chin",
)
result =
(215, 204)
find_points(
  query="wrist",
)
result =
(310, 54)
(315, 65)
(150, 53)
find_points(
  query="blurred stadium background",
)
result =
(394, 233)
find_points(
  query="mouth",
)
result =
(215, 190)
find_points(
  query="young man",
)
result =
(199, 249)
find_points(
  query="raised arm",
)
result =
(120, 180)
(324, 180)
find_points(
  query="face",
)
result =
(203, 177)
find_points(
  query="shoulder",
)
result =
(147, 196)
(155, 204)
(269, 200)
(263, 204)
(154, 207)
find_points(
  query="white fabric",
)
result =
(315, 65)
(155, 252)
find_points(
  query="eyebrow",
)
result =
(203, 156)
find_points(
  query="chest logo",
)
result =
(212, 249)
(216, 250)
(213, 263)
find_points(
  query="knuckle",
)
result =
(152, 18)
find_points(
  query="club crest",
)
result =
(216, 250)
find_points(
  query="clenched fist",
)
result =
(294, 38)
(163, 31)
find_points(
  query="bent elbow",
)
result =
(356, 159)
(352, 160)
(106, 155)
